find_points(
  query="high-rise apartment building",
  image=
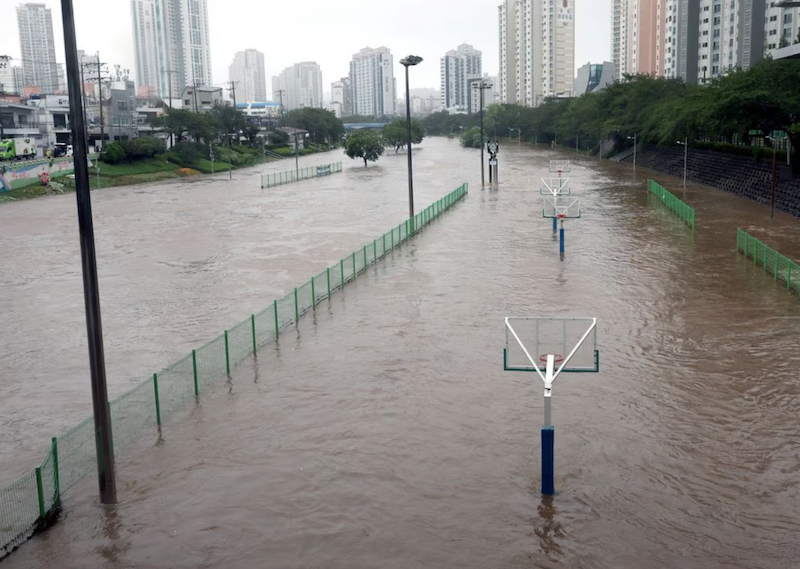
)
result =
(782, 27)
(341, 98)
(637, 36)
(457, 68)
(372, 82)
(171, 43)
(537, 50)
(298, 86)
(37, 47)
(247, 71)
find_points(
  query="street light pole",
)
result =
(685, 144)
(91, 293)
(482, 85)
(408, 62)
(634, 150)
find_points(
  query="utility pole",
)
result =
(4, 59)
(100, 94)
(169, 73)
(91, 293)
(232, 89)
(280, 94)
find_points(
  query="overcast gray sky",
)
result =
(326, 31)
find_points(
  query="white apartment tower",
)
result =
(457, 68)
(537, 50)
(341, 98)
(372, 82)
(37, 47)
(247, 71)
(299, 86)
(171, 40)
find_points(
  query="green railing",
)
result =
(679, 208)
(289, 176)
(781, 267)
(32, 502)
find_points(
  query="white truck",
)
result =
(17, 149)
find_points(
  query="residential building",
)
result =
(202, 99)
(171, 43)
(372, 82)
(37, 47)
(10, 77)
(248, 74)
(537, 50)
(299, 86)
(457, 68)
(341, 98)
(594, 77)
(782, 27)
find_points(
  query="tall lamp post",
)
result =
(774, 175)
(482, 85)
(633, 138)
(91, 293)
(408, 62)
(685, 144)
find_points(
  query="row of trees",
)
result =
(369, 144)
(734, 108)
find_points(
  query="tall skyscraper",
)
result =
(706, 38)
(341, 98)
(248, 71)
(457, 68)
(372, 82)
(537, 50)
(37, 47)
(299, 86)
(637, 36)
(171, 42)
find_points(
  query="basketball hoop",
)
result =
(561, 215)
(557, 360)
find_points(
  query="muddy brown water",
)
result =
(382, 431)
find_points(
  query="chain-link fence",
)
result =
(289, 176)
(33, 501)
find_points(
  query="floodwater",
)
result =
(384, 432)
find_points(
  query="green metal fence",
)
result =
(684, 212)
(781, 267)
(289, 176)
(33, 501)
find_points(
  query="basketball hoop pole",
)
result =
(548, 432)
(561, 237)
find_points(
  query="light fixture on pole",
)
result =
(685, 144)
(633, 138)
(482, 85)
(408, 62)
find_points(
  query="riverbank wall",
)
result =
(740, 175)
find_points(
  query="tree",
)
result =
(366, 144)
(113, 153)
(322, 126)
(783, 42)
(396, 133)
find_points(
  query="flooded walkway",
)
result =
(384, 433)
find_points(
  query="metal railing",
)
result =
(780, 266)
(684, 212)
(32, 502)
(289, 176)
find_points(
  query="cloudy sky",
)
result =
(326, 31)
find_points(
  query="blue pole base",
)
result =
(561, 240)
(548, 461)
(555, 225)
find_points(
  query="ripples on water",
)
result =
(384, 433)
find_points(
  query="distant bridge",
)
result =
(362, 125)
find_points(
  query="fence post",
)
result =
(296, 309)
(194, 369)
(40, 492)
(354, 265)
(227, 355)
(392, 238)
(313, 294)
(365, 259)
(341, 270)
(158, 401)
(384, 244)
(56, 475)
(328, 275)
(253, 328)
(375, 250)
(275, 311)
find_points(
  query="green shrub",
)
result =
(113, 153)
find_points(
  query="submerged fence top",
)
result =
(289, 176)
(684, 211)
(774, 263)
(31, 502)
